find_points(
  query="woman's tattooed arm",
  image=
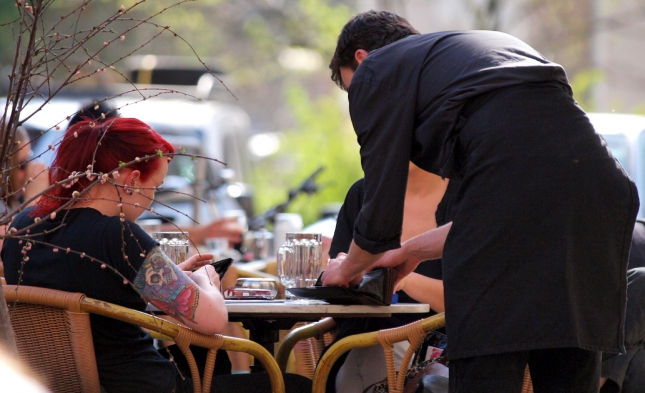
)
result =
(164, 285)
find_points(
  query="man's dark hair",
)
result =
(368, 31)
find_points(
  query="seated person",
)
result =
(27, 179)
(82, 238)
(227, 227)
(365, 366)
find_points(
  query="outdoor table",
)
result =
(265, 318)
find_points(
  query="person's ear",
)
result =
(133, 177)
(360, 55)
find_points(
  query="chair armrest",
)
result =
(314, 329)
(184, 337)
(365, 340)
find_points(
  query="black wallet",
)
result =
(376, 288)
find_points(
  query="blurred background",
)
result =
(278, 118)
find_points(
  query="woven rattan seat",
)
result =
(413, 332)
(54, 339)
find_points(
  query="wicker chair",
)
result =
(54, 339)
(414, 333)
(307, 341)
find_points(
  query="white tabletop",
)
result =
(314, 309)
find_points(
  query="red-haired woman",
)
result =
(85, 240)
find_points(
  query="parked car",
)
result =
(200, 128)
(625, 137)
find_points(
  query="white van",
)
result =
(205, 128)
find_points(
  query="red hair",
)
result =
(110, 142)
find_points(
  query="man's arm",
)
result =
(349, 269)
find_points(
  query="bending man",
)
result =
(534, 261)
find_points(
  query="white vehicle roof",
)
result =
(222, 128)
(618, 123)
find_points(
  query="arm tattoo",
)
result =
(164, 285)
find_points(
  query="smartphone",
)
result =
(222, 266)
(238, 293)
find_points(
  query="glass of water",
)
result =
(299, 260)
(174, 244)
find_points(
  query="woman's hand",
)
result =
(400, 285)
(195, 262)
(206, 277)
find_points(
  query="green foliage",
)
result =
(323, 137)
(583, 84)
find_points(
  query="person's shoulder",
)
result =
(357, 187)
(110, 226)
(23, 219)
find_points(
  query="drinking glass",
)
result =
(299, 260)
(174, 244)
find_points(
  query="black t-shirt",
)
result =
(538, 247)
(126, 358)
(405, 100)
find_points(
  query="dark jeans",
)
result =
(570, 370)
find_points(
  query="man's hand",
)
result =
(336, 275)
(400, 261)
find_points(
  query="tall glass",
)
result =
(299, 260)
(174, 244)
